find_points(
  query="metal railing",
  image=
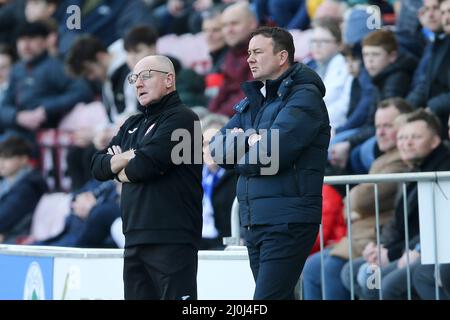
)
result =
(375, 179)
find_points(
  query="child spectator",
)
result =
(326, 44)
(391, 73)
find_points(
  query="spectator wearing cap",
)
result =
(40, 93)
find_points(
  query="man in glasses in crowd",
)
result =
(161, 197)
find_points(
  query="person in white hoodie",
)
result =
(329, 63)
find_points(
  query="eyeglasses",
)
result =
(321, 42)
(143, 75)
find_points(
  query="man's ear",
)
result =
(393, 56)
(170, 80)
(284, 56)
(435, 141)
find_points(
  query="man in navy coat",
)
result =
(277, 142)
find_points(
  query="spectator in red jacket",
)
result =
(333, 224)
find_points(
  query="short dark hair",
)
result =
(281, 38)
(140, 34)
(33, 30)
(84, 50)
(8, 51)
(352, 51)
(14, 146)
(432, 121)
(399, 103)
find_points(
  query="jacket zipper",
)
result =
(248, 204)
(296, 179)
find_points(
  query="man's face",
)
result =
(139, 52)
(36, 10)
(430, 15)
(386, 132)
(415, 141)
(323, 45)
(263, 63)
(445, 16)
(11, 165)
(94, 71)
(353, 65)
(155, 87)
(212, 28)
(376, 59)
(237, 26)
(31, 47)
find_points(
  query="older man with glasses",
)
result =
(161, 198)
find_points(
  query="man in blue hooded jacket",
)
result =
(277, 142)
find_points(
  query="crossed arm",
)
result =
(119, 161)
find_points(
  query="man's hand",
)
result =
(368, 251)
(83, 137)
(370, 254)
(237, 130)
(103, 137)
(31, 119)
(120, 159)
(83, 204)
(122, 176)
(339, 154)
(413, 257)
(253, 139)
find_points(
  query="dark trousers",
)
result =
(277, 255)
(424, 281)
(160, 271)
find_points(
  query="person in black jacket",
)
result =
(18, 182)
(161, 198)
(280, 197)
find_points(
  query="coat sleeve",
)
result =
(440, 104)
(13, 207)
(417, 97)
(8, 110)
(295, 127)
(362, 109)
(157, 156)
(225, 147)
(101, 161)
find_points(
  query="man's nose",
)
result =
(139, 83)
